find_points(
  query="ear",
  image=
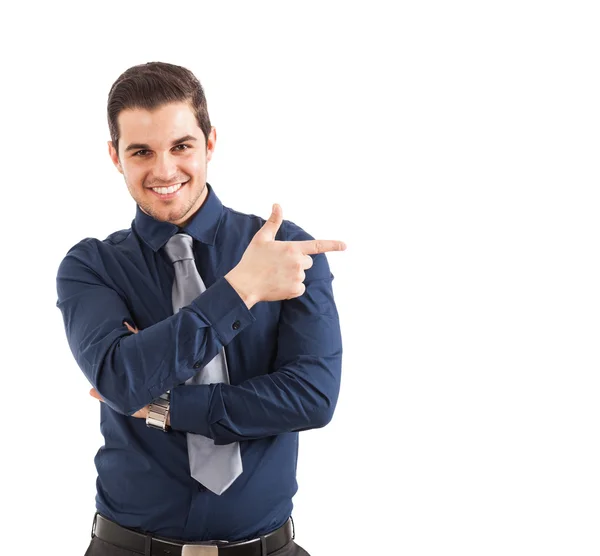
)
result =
(210, 143)
(114, 156)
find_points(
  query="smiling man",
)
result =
(211, 337)
(166, 175)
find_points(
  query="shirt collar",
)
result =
(202, 227)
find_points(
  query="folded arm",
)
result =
(301, 391)
(130, 370)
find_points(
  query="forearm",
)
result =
(299, 392)
(268, 405)
(130, 370)
(134, 369)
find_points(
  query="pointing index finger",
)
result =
(316, 246)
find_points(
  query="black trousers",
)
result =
(98, 547)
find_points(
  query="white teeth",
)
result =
(166, 190)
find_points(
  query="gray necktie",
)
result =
(216, 467)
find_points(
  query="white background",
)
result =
(452, 145)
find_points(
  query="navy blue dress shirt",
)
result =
(284, 361)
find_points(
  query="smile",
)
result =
(168, 190)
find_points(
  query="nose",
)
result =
(164, 168)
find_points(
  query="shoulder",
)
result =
(289, 231)
(90, 251)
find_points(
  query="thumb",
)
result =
(272, 225)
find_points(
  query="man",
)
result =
(210, 336)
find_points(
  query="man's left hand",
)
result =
(140, 414)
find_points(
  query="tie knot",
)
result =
(179, 248)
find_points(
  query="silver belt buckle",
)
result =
(200, 550)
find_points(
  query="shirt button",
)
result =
(197, 365)
(236, 325)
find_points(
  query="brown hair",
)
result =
(151, 85)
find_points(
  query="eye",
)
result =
(142, 152)
(181, 148)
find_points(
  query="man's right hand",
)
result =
(272, 270)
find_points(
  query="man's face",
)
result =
(163, 156)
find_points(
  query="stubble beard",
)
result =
(175, 214)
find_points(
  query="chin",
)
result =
(163, 214)
(171, 217)
(174, 211)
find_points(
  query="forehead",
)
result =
(157, 126)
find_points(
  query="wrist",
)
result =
(249, 298)
(158, 416)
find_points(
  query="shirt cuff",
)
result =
(224, 309)
(189, 408)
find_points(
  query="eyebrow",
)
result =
(145, 146)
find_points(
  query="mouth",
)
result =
(168, 192)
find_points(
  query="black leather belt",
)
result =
(112, 533)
